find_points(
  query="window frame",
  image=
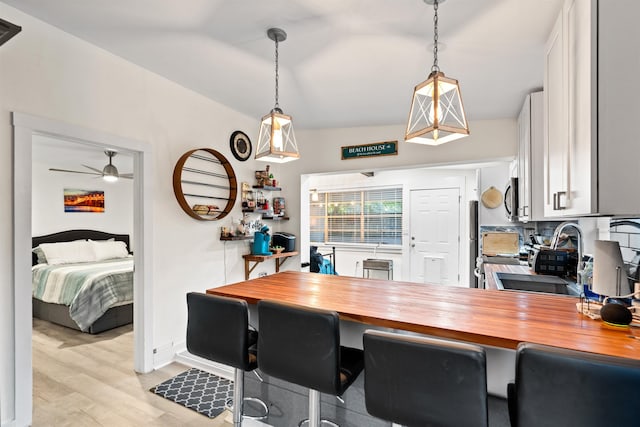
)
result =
(361, 217)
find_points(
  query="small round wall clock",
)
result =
(240, 145)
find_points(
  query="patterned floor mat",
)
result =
(201, 391)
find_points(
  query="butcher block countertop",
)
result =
(489, 269)
(484, 316)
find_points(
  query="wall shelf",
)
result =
(202, 178)
(267, 188)
(266, 217)
(229, 238)
(257, 259)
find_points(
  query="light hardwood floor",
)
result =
(88, 380)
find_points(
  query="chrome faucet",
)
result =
(556, 238)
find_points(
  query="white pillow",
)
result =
(68, 252)
(106, 249)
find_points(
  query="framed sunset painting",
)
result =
(83, 200)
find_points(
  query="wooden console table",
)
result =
(257, 259)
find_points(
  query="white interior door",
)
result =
(435, 236)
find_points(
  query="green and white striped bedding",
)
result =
(89, 289)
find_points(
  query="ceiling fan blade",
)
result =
(93, 169)
(126, 175)
(67, 170)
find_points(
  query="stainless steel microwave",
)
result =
(511, 199)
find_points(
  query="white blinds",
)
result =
(371, 216)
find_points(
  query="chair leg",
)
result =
(314, 408)
(238, 397)
(314, 419)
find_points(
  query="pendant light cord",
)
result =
(434, 67)
(277, 105)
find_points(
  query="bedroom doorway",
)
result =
(25, 128)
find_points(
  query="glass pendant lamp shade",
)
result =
(276, 140)
(437, 114)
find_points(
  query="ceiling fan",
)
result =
(109, 173)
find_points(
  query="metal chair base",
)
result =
(265, 409)
(322, 423)
(314, 419)
(238, 395)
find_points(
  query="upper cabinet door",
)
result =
(570, 166)
(530, 158)
(591, 106)
(581, 67)
(524, 163)
(555, 151)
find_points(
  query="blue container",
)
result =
(261, 242)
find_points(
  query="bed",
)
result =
(93, 295)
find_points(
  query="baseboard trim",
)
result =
(219, 369)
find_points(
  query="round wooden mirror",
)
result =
(205, 184)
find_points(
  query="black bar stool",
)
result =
(560, 387)
(302, 346)
(421, 381)
(218, 330)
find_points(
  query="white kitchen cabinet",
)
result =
(530, 160)
(590, 107)
(555, 124)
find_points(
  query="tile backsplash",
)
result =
(544, 228)
(627, 233)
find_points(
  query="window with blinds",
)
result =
(372, 216)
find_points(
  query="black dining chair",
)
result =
(560, 387)
(422, 381)
(218, 330)
(302, 345)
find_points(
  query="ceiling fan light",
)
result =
(110, 173)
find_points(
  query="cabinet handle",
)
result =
(560, 194)
(557, 206)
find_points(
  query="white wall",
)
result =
(496, 176)
(349, 258)
(320, 152)
(46, 72)
(48, 215)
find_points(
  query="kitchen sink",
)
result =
(535, 283)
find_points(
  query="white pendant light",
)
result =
(437, 114)
(276, 140)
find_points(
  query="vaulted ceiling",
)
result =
(345, 62)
